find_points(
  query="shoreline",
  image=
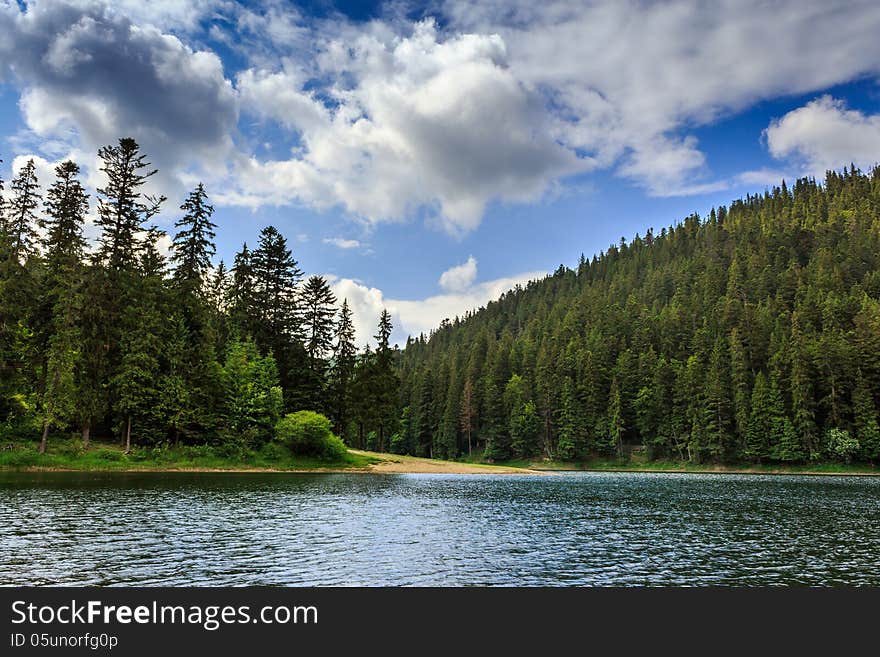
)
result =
(371, 463)
(366, 462)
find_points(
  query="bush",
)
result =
(334, 449)
(841, 444)
(308, 433)
(104, 454)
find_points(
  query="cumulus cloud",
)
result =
(824, 135)
(412, 317)
(628, 80)
(389, 119)
(341, 243)
(417, 122)
(89, 75)
(459, 277)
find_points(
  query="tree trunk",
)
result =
(176, 438)
(45, 435)
(86, 432)
(469, 442)
(128, 436)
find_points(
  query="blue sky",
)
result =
(427, 156)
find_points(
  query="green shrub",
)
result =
(104, 454)
(309, 433)
(841, 444)
(334, 449)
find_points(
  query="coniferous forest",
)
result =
(114, 340)
(750, 335)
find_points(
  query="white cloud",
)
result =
(88, 76)
(765, 176)
(420, 121)
(824, 135)
(498, 101)
(459, 277)
(341, 243)
(414, 316)
(629, 80)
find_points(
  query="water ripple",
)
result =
(621, 529)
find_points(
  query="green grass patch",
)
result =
(644, 465)
(68, 454)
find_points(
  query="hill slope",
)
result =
(753, 334)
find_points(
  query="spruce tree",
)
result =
(318, 307)
(342, 372)
(66, 206)
(385, 380)
(123, 208)
(21, 214)
(194, 241)
(276, 277)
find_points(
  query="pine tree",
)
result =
(719, 415)
(318, 306)
(276, 277)
(123, 209)
(571, 423)
(21, 216)
(136, 383)
(241, 297)
(760, 421)
(57, 330)
(616, 426)
(194, 242)
(342, 372)
(385, 380)
(66, 206)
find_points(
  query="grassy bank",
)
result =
(69, 455)
(614, 465)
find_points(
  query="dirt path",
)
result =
(398, 464)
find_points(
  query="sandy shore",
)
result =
(398, 464)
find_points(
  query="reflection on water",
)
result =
(437, 530)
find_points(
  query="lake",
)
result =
(626, 529)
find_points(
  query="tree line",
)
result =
(117, 340)
(750, 335)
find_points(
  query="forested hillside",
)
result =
(752, 334)
(113, 339)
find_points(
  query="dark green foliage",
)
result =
(194, 242)
(20, 221)
(123, 209)
(113, 345)
(342, 370)
(741, 337)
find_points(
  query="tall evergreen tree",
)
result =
(194, 241)
(318, 307)
(123, 208)
(342, 372)
(21, 213)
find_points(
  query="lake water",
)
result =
(437, 530)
